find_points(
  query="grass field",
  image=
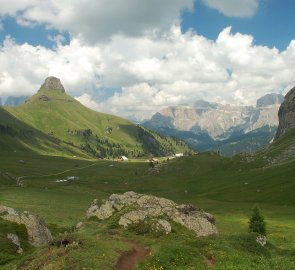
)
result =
(227, 188)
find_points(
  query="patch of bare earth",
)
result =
(211, 260)
(129, 259)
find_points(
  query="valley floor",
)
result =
(227, 188)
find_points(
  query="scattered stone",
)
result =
(79, 225)
(44, 98)
(61, 180)
(144, 207)
(15, 240)
(38, 233)
(261, 240)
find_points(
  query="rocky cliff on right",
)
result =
(287, 114)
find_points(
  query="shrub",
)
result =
(256, 222)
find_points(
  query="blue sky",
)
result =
(133, 58)
(271, 25)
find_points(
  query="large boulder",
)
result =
(37, 231)
(144, 207)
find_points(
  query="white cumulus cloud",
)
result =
(174, 68)
(100, 19)
(24, 67)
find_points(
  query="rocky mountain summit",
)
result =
(156, 212)
(38, 233)
(53, 83)
(269, 100)
(287, 114)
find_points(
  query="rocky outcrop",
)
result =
(53, 83)
(287, 114)
(143, 207)
(38, 233)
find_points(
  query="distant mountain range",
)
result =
(227, 128)
(52, 122)
(14, 101)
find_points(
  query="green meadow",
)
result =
(227, 188)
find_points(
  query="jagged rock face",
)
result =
(217, 120)
(146, 206)
(287, 114)
(53, 83)
(38, 233)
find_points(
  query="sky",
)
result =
(134, 57)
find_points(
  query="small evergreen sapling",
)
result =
(256, 222)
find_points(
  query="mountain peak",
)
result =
(53, 84)
(270, 99)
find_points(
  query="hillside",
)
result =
(58, 116)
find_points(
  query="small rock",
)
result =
(79, 225)
(164, 225)
(261, 240)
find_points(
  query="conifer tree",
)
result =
(256, 222)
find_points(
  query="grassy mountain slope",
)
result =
(281, 151)
(61, 117)
(16, 135)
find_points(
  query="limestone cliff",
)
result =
(287, 114)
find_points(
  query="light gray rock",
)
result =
(132, 217)
(4, 210)
(38, 233)
(15, 240)
(79, 225)
(148, 206)
(105, 211)
(261, 240)
(164, 225)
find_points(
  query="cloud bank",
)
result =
(176, 68)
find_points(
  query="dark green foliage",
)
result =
(256, 222)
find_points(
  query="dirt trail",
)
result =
(55, 174)
(129, 259)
